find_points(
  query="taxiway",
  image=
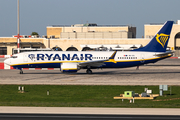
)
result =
(163, 72)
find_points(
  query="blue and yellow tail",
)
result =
(160, 40)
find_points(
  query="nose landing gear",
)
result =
(21, 72)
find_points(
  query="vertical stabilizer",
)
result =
(160, 40)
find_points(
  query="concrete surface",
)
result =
(86, 110)
(162, 72)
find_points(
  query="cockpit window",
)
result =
(13, 56)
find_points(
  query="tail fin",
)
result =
(160, 40)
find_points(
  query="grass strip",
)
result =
(84, 96)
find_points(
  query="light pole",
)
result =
(18, 27)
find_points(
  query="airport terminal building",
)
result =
(81, 37)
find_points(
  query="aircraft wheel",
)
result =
(21, 72)
(88, 71)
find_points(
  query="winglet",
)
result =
(112, 57)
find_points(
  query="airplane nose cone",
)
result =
(7, 61)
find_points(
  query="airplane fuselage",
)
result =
(54, 59)
(75, 60)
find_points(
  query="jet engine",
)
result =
(69, 67)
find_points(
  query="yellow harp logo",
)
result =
(162, 38)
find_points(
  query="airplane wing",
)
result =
(97, 63)
(165, 54)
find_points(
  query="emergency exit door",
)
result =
(25, 57)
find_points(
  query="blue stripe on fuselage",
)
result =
(119, 64)
(40, 65)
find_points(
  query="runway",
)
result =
(163, 72)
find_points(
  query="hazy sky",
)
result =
(36, 15)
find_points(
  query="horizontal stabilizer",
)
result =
(165, 54)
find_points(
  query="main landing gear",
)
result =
(21, 72)
(89, 71)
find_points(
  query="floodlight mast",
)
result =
(18, 27)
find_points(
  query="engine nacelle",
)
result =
(69, 67)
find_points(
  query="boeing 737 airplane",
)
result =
(73, 61)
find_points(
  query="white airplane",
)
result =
(73, 61)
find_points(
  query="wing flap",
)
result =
(95, 63)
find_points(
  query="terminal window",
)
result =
(3, 50)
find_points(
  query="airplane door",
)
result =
(142, 58)
(10, 60)
(25, 57)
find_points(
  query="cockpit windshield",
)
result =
(13, 56)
